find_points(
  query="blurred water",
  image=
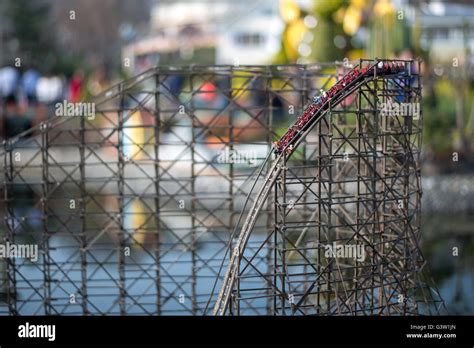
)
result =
(454, 275)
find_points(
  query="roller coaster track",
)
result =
(289, 147)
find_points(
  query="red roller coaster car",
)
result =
(321, 102)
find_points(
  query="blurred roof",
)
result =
(455, 14)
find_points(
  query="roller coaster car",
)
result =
(389, 67)
(319, 101)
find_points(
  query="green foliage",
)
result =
(28, 19)
(325, 9)
(29, 24)
(439, 117)
(323, 47)
(388, 36)
(66, 65)
(281, 57)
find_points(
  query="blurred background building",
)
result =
(244, 32)
(447, 30)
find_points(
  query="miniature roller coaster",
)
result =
(386, 174)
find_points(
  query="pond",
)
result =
(454, 275)
(447, 244)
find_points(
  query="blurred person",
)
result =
(29, 81)
(49, 89)
(30, 105)
(9, 77)
(175, 84)
(208, 90)
(40, 114)
(9, 80)
(209, 96)
(97, 82)
(76, 86)
(14, 121)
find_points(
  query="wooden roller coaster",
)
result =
(358, 289)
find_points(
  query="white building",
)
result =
(252, 35)
(243, 32)
(447, 29)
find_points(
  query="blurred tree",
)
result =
(292, 34)
(57, 36)
(97, 31)
(460, 81)
(27, 34)
(440, 117)
(314, 35)
(389, 32)
(329, 41)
